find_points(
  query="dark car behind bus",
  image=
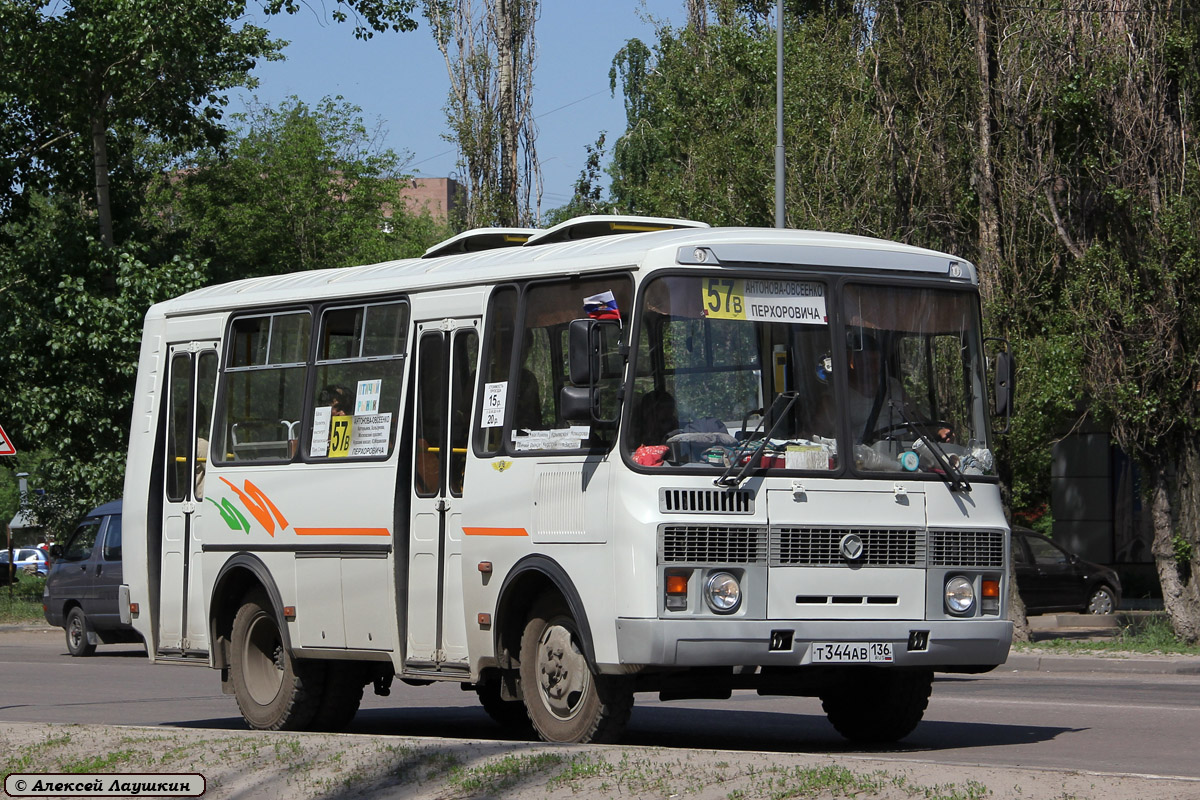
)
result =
(83, 588)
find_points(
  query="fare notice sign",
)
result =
(6, 445)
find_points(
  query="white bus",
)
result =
(562, 467)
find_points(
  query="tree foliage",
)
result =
(86, 81)
(490, 51)
(297, 188)
(70, 330)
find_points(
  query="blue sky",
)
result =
(400, 79)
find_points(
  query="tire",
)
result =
(1101, 601)
(878, 706)
(340, 696)
(566, 700)
(508, 714)
(78, 630)
(274, 691)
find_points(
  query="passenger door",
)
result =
(106, 559)
(191, 383)
(73, 573)
(447, 357)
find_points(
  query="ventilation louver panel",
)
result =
(712, 544)
(705, 501)
(966, 549)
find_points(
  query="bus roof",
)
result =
(643, 250)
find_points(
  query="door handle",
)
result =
(99, 568)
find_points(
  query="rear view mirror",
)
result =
(1004, 383)
(594, 355)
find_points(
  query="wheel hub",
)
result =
(563, 673)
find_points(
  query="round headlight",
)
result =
(722, 593)
(960, 595)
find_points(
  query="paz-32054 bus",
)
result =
(562, 467)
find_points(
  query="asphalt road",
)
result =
(1107, 723)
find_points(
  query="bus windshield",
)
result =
(894, 384)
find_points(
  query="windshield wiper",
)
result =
(950, 473)
(727, 479)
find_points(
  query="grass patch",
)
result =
(1153, 635)
(502, 773)
(22, 602)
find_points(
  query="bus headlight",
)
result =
(722, 593)
(960, 595)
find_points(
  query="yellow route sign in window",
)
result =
(765, 300)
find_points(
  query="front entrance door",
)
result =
(191, 384)
(447, 357)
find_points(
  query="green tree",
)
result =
(298, 188)
(586, 198)
(88, 79)
(70, 330)
(489, 50)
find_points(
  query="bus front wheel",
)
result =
(878, 706)
(274, 691)
(565, 699)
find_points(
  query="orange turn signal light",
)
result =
(677, 584)
(991, 588)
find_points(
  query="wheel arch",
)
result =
(239, 575)
(529, 578)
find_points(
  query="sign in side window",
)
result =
(264, 387)
(360, 369)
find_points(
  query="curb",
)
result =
(1163, 665)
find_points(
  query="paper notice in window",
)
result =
(319, 446)
(806, 457)
(494, 398)
(366, 401)
(369, 436)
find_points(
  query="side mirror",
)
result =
(56, 551)
(1004, 383)
(593, 355)
(578, 404)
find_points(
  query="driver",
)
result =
(876, 395)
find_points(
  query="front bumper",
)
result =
(728, 642)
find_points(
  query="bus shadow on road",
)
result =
(689, 728)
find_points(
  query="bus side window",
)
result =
(264, 386)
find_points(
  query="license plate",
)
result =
(851, 652)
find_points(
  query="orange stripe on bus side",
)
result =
(342, 531)
(495, 532)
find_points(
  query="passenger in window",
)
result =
(338, 399)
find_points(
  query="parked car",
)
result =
(1050, 578)
(83, 587)
(26, 559)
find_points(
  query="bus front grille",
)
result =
(821, 547)
(966, 549)
(712, 544)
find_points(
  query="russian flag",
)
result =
(602, 306)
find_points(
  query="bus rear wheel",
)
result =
(274, 691)
(878, 706)
(566, 700)
(341, 695)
